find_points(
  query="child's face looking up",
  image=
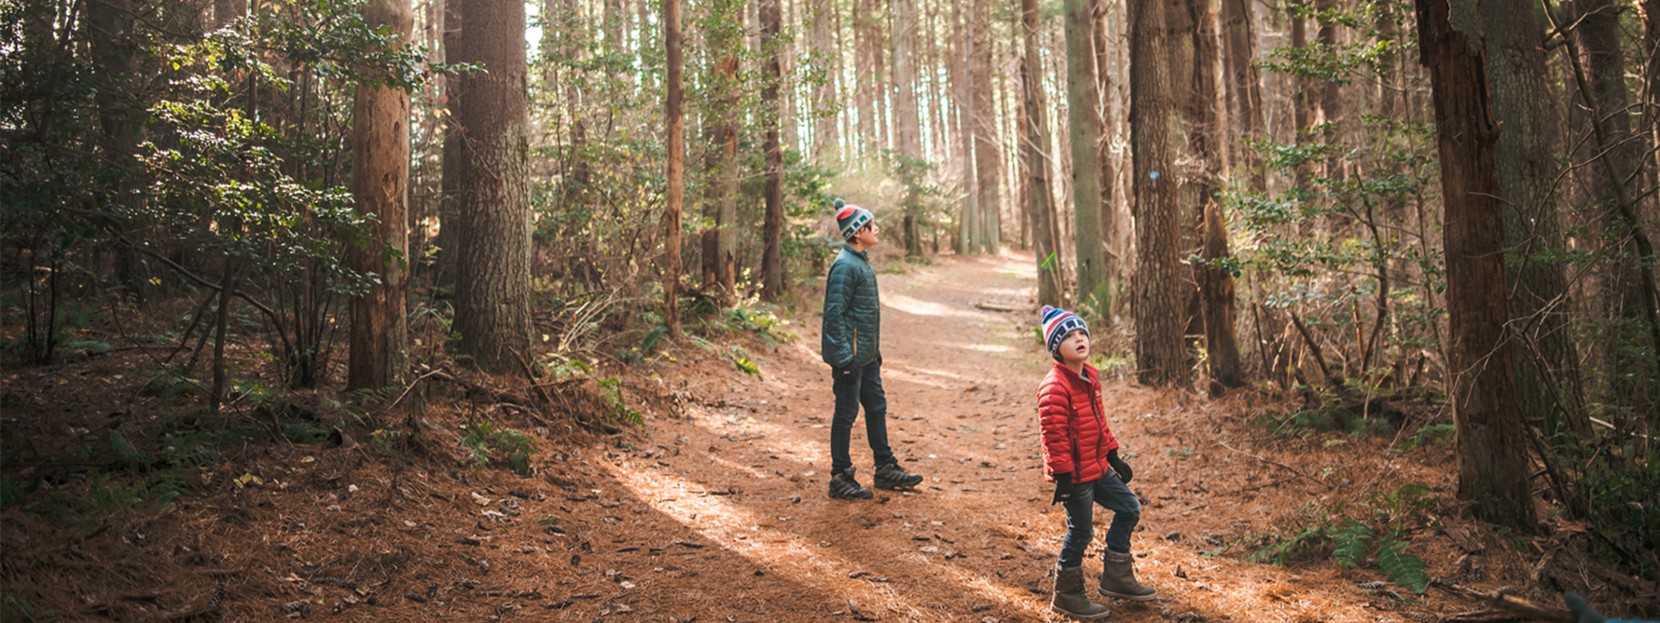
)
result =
(1075, 347)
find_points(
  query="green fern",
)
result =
(1402, 567)
(135, 460)
(1350, 543)
(1284, 551)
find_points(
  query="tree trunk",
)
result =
(988, 157)
(1034, 149)
(1215, 282)
(1628, 281)
(1243, 92)
(1301, 115)
(826, 138)
(967, 233)
(676, 147)
(492, 311)
(380, 183)
(1331, 95)
(772, 260)
(121, 117)
(452, 159)
(1082, 127)
(1111, 266)
(867, 74)
(1492, 455)
(1160, 279)
(227, 11)
(1547, 366)
(905, 114)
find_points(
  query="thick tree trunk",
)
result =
(1082, 127)
(676, 147)
(121, 116)
(988, 157)
(380, 183)
(492, 311)
(1547, 364)
(867, 78)
(1111, 265)
(1215, 283)
(1629, 281)
(1034, 150)
(1492, 455)
(772, 259)
(1160, 280)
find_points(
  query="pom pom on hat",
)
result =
(1057, 324)
(849, 218)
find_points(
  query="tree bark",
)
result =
(1547, 366)
(675, 143)
(772, 259)
(1628, 281)
(967, 233)
(1160, 279)
(380, 184)
(1492, 456)
(452, 159)
(1082, 126)
(492, 311)
(1244, 92)
(1215, 282)
(905, 114)
(826, 137)
(988, 157)
(1034, 149)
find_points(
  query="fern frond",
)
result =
(1402, 567)
(1350, 542)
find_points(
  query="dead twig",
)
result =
(1504, 606)
(1276, 464)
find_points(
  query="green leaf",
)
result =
(1402, 567)
(1350, 541)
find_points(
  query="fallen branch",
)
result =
(1276, 464)
(1503, 606)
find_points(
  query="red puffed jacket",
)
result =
(1076, 438)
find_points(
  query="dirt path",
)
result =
(724, 516)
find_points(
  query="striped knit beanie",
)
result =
(1057, 324)
(849, 218)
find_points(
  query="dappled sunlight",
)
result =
(816, 565)
(984, 348)
(918, 307)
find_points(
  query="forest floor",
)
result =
(716, 508)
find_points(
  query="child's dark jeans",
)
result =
(861, 385)
(1107, 491)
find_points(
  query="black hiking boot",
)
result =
(892, 476)
(844, 487)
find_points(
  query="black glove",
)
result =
(1063, 488)
(1582, 611)
(1119, 466)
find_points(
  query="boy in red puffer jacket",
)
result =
(1081, 456)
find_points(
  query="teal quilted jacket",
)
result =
(852, 311)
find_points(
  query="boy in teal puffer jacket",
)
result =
(851, 344)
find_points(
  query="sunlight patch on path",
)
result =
(740, 531)
(919, 307)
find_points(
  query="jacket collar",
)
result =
(848, 248)
(1089, 375)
